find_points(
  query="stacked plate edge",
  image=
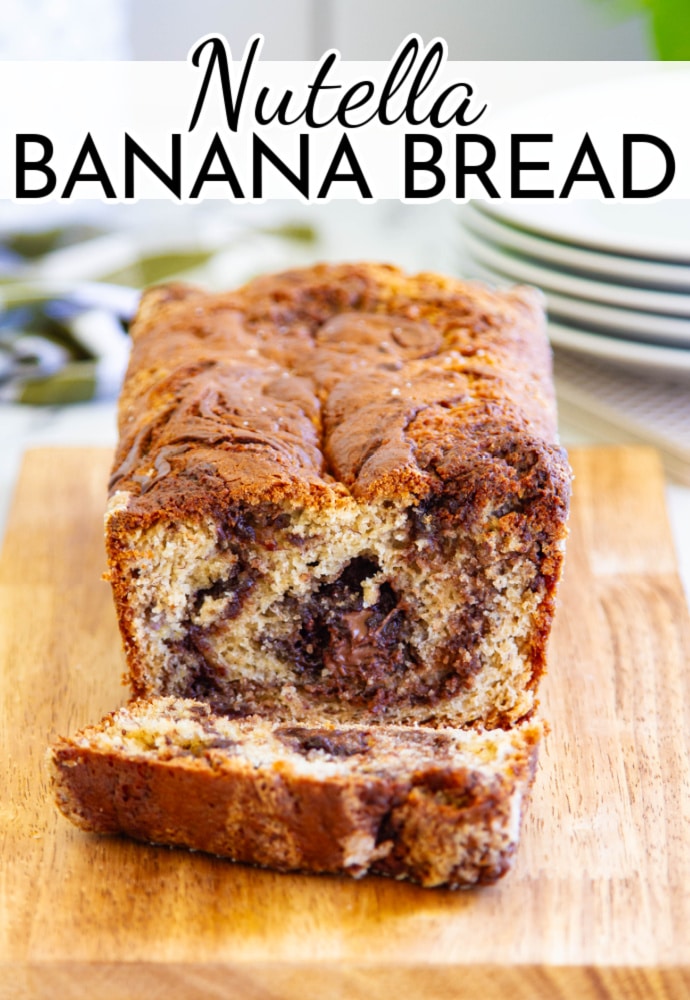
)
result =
(616, 276)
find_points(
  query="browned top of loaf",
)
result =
(333, 379)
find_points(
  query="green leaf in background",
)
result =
(671, 28)
(669, 24)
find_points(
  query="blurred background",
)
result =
(361, 29)
(617, 278)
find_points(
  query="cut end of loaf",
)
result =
(340, 485)
(380, 608)
(438, 807)
(335, 532)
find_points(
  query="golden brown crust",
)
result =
(339, 385)
(351, 378)
(337, 501)
(328, 800)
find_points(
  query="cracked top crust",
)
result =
(331, 382)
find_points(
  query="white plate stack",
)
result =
(616, 278)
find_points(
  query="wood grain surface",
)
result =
(598, 904)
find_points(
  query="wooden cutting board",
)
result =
(598, 904)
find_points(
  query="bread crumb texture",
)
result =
(437, 807)
(340, 486)
(336, 527)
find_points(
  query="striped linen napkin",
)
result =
(67, 293)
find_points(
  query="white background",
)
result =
(67, 100)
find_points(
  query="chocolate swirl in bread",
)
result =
(436, 808)
(335, 530)
(340, 487)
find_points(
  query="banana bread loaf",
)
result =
(335, 531)
(436, 807)
(340, 488)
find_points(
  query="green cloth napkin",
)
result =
(67, 295)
